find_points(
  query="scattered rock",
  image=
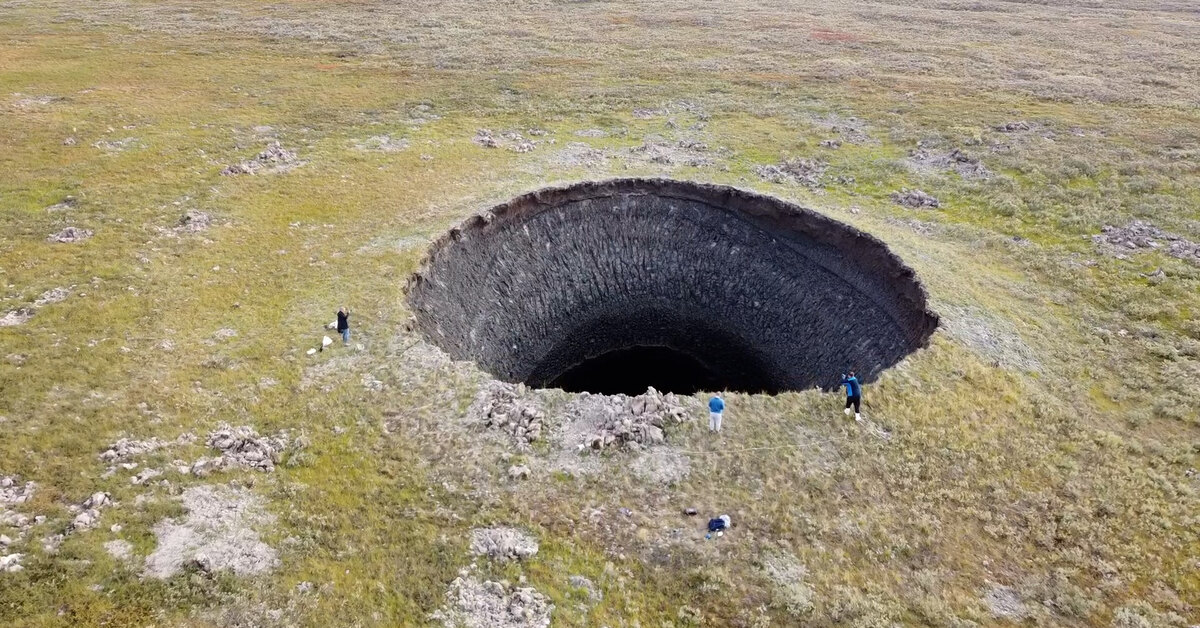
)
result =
(119, 549)
(831, 144)
(194, 221)
(646, 114)
(681, 153)
(516, 472)
(806, 172)
(145, 475)
(383, 144)
(1140, 235)
(579, 155)
(217, 533)
(67, 203)
(591, 133)
(275, 158)
(12, 493)
(489, 604)
(115, 146)
(1005, 603)
(224, 334)
(70, 234)
(503, 544)
(503, 406)
(1012, 127)
(915, 199)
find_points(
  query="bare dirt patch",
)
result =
(503, 544)
(219, 532)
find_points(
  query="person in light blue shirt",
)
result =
(716, 407)
(853, 394)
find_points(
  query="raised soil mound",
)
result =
(616, 285)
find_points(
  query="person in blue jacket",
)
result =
(853, 394)
(716, 407)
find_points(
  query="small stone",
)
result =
(520, 472)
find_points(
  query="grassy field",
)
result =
(1036, 465)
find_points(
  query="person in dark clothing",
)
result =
(343, 324)
(853, 394)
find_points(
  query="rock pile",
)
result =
(275, 158)
(70, 234)
(241, 447)
(638, 421)
(23, 314)
(803, 171)
(503, 544)
(1012, 127)
(915, 199)
(1141, 235)
(489, 604)
(127, 448)
(501, 406)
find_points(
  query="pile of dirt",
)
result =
(70, 234)
(923, 158)
(11, 563)
(217, 533)
(631, 422)
(471, 603)
(915, 199)
(1140, 235)
(503, 544)
(16, 317)
(506, 407)
(806, 172)
(275, 158)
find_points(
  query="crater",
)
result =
(614, 286)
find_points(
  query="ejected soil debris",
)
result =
(1140, 236)
(471, 603)
(383, 144)
(115, 146)
(194, 221)
(127, 448)
(1005, 603)
(506, 407)
(803, 171)
(503, 544)
(242, 447)
(217, 533)
(13, 493)
(915, 199)
(18, 316)
(275, 158)
(656, 150)
(70, 234)
(620, 421)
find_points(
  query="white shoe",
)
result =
(858, 417)
(847, 411)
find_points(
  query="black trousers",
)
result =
(856, 401)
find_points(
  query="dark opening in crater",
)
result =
(618, 285)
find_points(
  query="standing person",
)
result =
(716, 406)
(853, 394)
(343, 325)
